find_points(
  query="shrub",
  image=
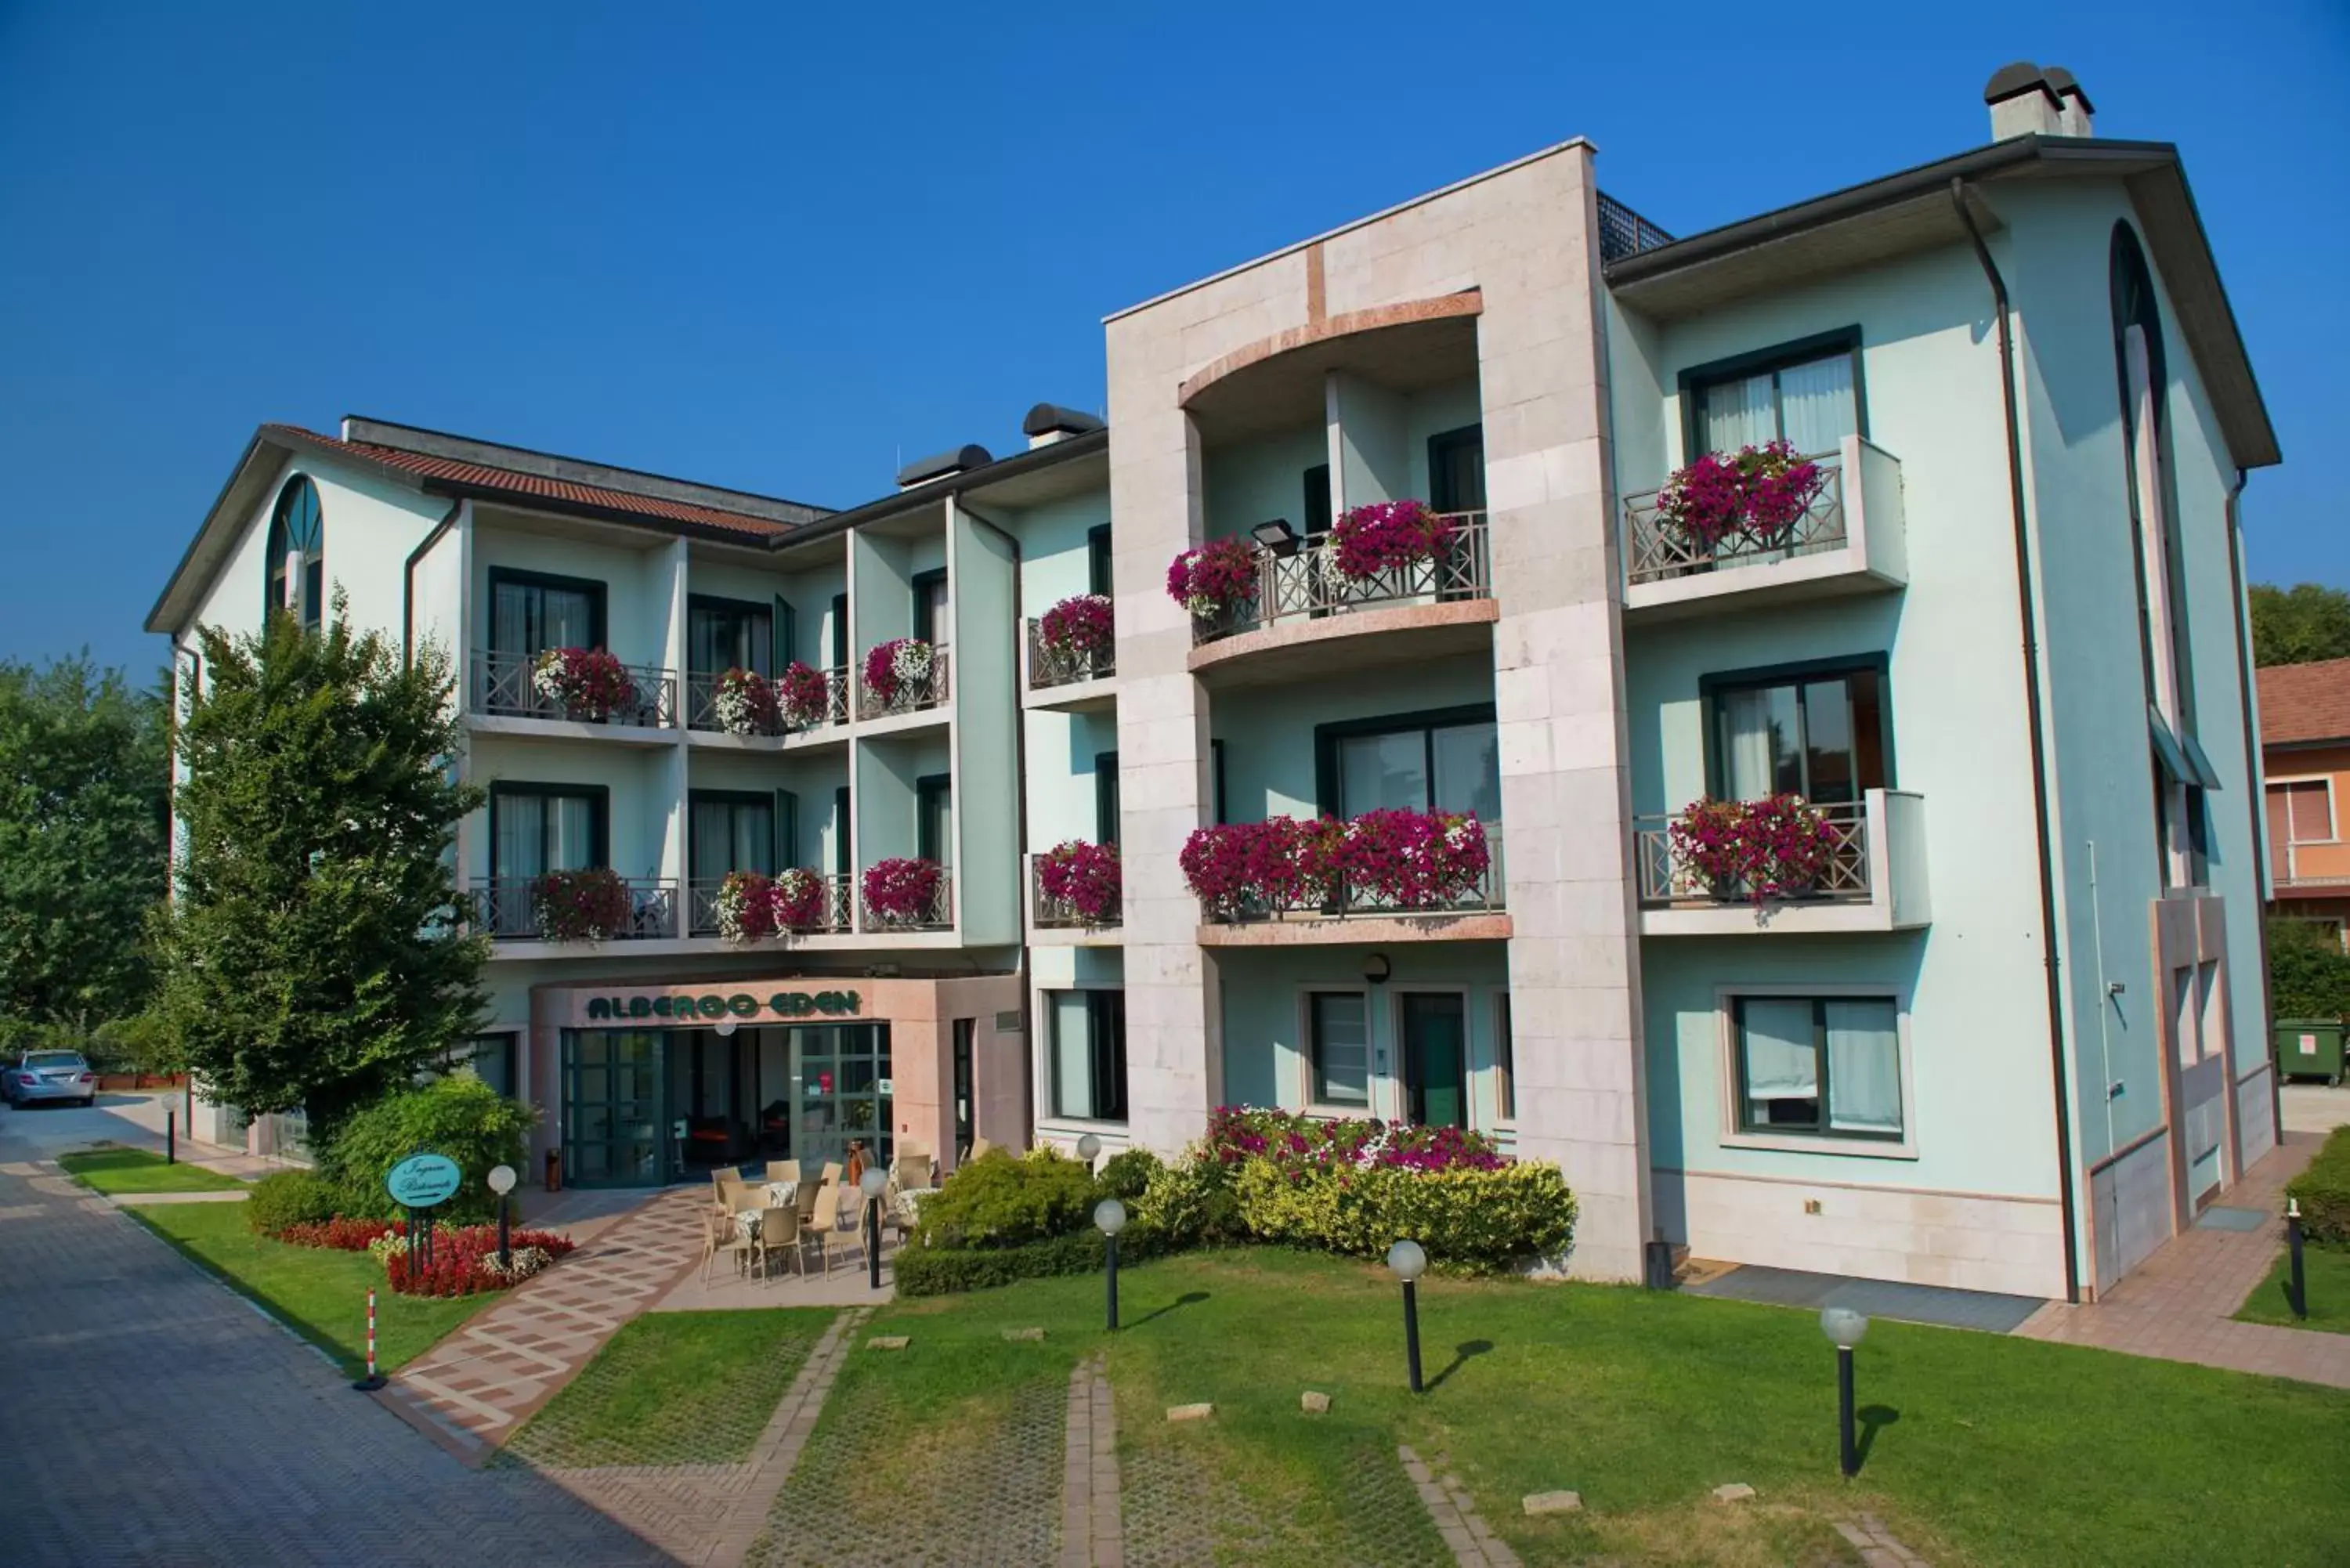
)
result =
(285, 1199)
(460, 1116)
(2322, 1190)
(924, 1270)
(2309, 977)
(1191, 1203)
(1127, 1176)
(1001, 1199)
(1468, 1219)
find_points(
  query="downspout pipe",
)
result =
(2255, 789)
(2036, 724)
(1020, 829)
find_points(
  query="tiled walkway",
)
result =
(2177, 1304)
(476, 1386)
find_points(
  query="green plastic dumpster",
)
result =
(2309, 1048)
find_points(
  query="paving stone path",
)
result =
(1092, 1535)
(2178, 1304)
(1454, 1514)
(155, 1417)
(476, 1386)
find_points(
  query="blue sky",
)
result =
(779, 247)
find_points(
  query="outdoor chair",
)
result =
(727, 1237)
(911, 1172)
(783, 1171)
(832, 1170)
(978, 1146)
(828, 1233)
(734, 1194)
(805, 1199)
(779, 1232)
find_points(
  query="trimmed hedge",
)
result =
(930, 1270)
(284, 1199)
(2322, 1190)
(1003, 1201)
(1469, 1219)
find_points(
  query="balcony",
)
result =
(930, 692)
(1066, 681)
(1308, 612)
(1056, 922)
(836, 915)
(1351, 913)
(701, 716)
(1850, 540)
(1875, 879)
(933, 912)
(505, 686)
(508, 909)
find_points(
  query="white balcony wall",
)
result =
(643, 806)
(1251, 482)
(641, 591)
(1055, 554)
(983, 580)
(1378, 438)
(1267, 732)
(887, 771)
(1064, 753)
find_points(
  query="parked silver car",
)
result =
(41, 1076)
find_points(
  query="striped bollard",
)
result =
(374, 1379)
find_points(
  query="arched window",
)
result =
(296, 553)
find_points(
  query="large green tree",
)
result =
(312, 956)
(2299, 625)
(83, 786)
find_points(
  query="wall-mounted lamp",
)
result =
(1376, 969)
(1277, 536)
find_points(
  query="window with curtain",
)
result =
(1821, 735)
(1338, 1023)
(537, 829)
(529, 615)
(1088, 1054)
(729, 634)
(1822, 1066)
(933, 617)
(728, 831)
(1810, 400)
(1423, 766)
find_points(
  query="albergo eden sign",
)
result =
(712, 1006)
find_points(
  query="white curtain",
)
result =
(1073, 1092)
(572, 842)
(1781, 1061)
(1816, 409)
(1341, 1048)
(1737, 414)
(1760, 728)
(1864, 1067)
(521, 848)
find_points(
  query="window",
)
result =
(934, 819)
(1097, 579)
(539, 828)
(1317, 500)
(530, 613)
(964, 1030)
(1088, 1054)
(296, 555)
(491, 1058)
(1216, 779)
(1806, 394)
(1505, 1062)
(1819, 1066)
(1339, 1044)
(1106, 797)
(2301, 810)
(840, 845)
(933, 620)
(839, 631)
(1418, 761)
(728, 634)
(730, 831)
(1822, 732)
(1456, 469)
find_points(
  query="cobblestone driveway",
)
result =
(152, 1418)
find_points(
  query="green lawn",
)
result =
(675, 1387)
(137, 1170)
(1979, 1448)
(2325, 1272)
(321, 1293)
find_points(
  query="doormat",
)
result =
(2217, 1218)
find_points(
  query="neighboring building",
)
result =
(2304, 710)
(2012, 1041)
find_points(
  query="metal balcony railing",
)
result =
(1667, 882)
(937, 915)
(838, 912)
(1049, 666)
(1345, 899)
(1624, 232)
(702, 706)
(505, 686)
(1655, 549)
(506, 908)
(1047, 913)
(911, 696)
(1304, 580)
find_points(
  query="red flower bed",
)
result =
(465, 1260)
(342, 1234)
(1236, 1133)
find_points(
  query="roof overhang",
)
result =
(1912, 211)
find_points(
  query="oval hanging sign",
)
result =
(421, 1180)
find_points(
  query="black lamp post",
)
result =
(1110, 1217)
(1844, 1328)
(1410, 1260)
(502, 1182)
(2300, 1292)
(873, 1184)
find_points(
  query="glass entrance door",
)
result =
(843, 1091)
(613, 1108)
(1435, 1058)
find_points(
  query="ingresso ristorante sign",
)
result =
(421, 1180)
(713, 1006)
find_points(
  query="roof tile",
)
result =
(2305, 702)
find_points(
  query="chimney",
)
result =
(1049, 422)
(962, 459)
(2022, 102)
(2074, 107)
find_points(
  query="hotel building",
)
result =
(2013, 1039)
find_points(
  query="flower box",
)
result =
(1083, 878)
(898, 668)
(1214, 580)
(803, 696)
(1079, 627)
(1384, 859)
(745, 703)
(1760, 493)
(588, 905)
(1369, 542)
(1777, 847)
(589, 684)
(900, 892)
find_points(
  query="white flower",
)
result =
(546, 675)
(910, 662)
(737, 714)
